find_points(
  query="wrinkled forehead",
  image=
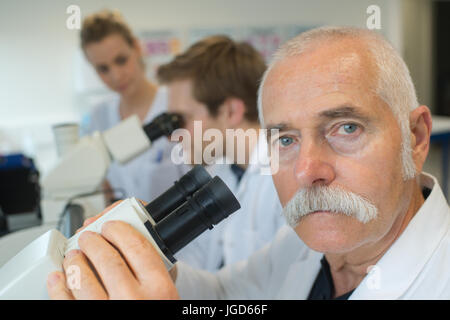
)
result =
(303, 79)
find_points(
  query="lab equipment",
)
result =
(3, 223)
(77, 177)
(195, 203)
(66, 136)
(19, 184)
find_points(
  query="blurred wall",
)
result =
(37, 51)
(417, 40)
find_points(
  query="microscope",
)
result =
(71, 194)
(79, 173)
(195, 203)
(72, 190)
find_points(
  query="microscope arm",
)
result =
(194, 204)
(83, 169)
(80, 172)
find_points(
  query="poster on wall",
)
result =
(265, 39)
(159, 47)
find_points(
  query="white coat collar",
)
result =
(396, 271)
(300, 276)
(159, 105)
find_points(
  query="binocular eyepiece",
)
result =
(195, 202)
(163, 125)
(178, 193)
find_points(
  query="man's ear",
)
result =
(233, 111)
(420, 123)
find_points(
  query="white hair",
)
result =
(393, 83)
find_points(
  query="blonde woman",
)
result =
(115, 54)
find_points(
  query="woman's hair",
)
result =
(99, 25)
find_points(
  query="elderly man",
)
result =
(365, 222)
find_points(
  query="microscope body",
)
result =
(76, 179)
(195, 203)
(24, 276)
(79, 174)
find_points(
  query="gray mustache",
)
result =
(323, 198)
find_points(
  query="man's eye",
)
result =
(286, 141)
(121, 60)
(102, 69)
(348, 128)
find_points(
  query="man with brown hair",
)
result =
(214, 85)
(216, 82)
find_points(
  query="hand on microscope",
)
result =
(119, 263)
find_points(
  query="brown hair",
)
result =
(99, 25)
(219, 68)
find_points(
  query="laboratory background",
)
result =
(46, 81)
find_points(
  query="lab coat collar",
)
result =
(301, 274)
(159, 105)
(396, 271)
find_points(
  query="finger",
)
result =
(139, 253)
(81, 279)
(56, 287)
(94, 218)
(144, 203)
(107, 261)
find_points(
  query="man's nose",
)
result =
(312, 165)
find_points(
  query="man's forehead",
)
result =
(310, 70)
(182, 99)
(299, 80)
(180, 89)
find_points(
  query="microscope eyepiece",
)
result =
(207, 207)
(217, 201)
(178, 193)
(163, 125)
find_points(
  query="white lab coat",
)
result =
(152, 172)
(416, 266)
(260, 216)
(249, 228)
